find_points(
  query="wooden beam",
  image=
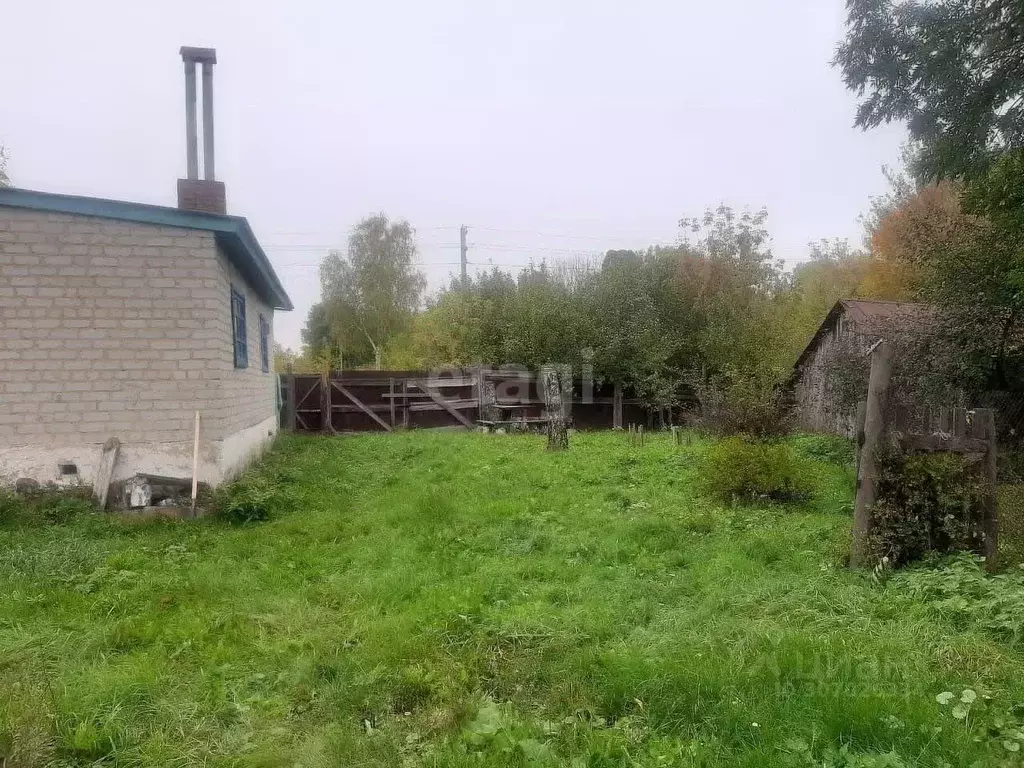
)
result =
(943, 442)
(443, 403)
(362, 406)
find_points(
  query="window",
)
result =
(264, 344)
(238, 329)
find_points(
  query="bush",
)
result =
(258, 496)
(925, 503)
(243, 503)
(744, 406)
(747, 469)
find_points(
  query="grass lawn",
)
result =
(456, 599)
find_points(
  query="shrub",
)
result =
(744, 406)
(747, 469)
(925, 503)
(257, 497)
(243, 503)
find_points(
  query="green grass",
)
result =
(455, 599)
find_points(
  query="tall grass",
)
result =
(453, 599)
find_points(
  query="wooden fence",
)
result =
(971, 433)
(360, 401)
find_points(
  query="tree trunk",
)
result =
(558, 431)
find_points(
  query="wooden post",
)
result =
(290, 408)
(554, 405)
(326, 424)
(391, 400)
(405, 403)
(108, 460)
(195, 466)
(478, 385)
(617, 407)
(959, 422)
(874, 430)
(990, 515)
(945, 420)
(488, 400)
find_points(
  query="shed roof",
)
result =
(868, 315)
(232, 233)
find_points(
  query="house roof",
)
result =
(867, 315)
(233, 233)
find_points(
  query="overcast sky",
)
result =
(549, 128)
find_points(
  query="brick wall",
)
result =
(250, 395)
(110, 328)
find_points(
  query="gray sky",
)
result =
(549, 128)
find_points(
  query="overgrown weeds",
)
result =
(960, 591)
(472, 600)
(46, 505)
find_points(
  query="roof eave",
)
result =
(233, 233)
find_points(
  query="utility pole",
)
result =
(463, 231)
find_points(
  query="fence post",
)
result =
(326, 420)
(554, 405)
(945, 420)
(289, 408)
(617, 407)
(874, 429)
(391, 400)
(405, 403)
(990, 517)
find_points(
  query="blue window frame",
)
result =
(264, 344)
(238, 329)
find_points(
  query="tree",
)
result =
(953, 70)
(370, 292)
(734, 283)
(5, 180)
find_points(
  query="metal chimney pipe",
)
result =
(207, 57)
(191, 140)
(208, 164)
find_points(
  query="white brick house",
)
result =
(122, 320)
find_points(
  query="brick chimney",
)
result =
(195, 194)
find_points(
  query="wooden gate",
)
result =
(381, 401)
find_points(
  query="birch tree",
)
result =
(370, 291)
